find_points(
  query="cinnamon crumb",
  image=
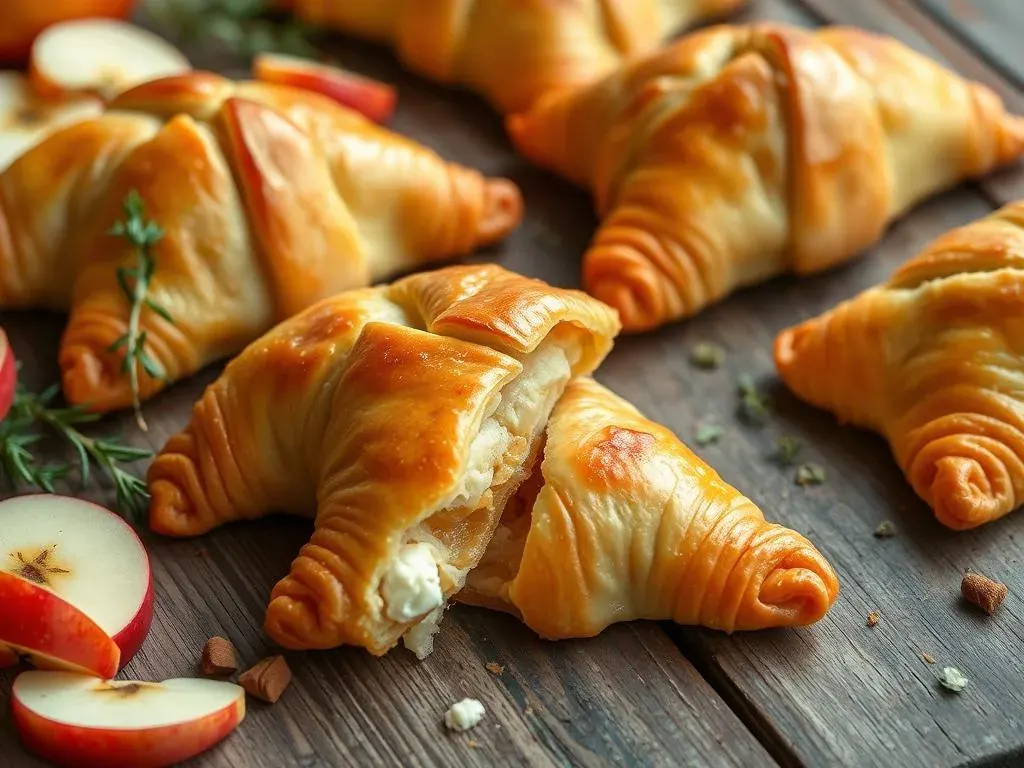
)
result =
(219, 657)
(494, 667)
(983, 592)
(873, 618)
(267, 679)
(929, 659)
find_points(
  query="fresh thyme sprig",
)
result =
(244, 27)
(135, 283)
(18, 433)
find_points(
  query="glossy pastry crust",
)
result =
(933, 360)
(270, 199)
(743, 152)
(365, 409)
(622, 521)
(513, 51)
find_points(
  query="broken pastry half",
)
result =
(512, 51)
(619, 520)
(402, 417)
(270, 198)
(933, 360)
(744, 152)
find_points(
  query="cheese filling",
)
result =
(411, 587)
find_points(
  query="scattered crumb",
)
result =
(463, 715)
(494, 667)
(267, 679)
(218, 658)
(952, 679)
(528, 711)
(472, 743)
(873, 618)
(929, 659)
(983, 592)
(885, 530)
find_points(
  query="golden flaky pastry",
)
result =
(744, 152)
(270, 198)
(933, 360)
(622, 521)
(512, 51)
(403, 416)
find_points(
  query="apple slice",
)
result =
(85, 555)
(54, 633)
(8, 658)
(8, 377)
(25, 118)
(102, 56)
(374, 99)
(74, 720)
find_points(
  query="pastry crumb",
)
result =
(528, 711)
(494, 667)
(463, 715)
(928, 658)
(873, 618)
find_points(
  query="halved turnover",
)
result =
(270, 198)
(619, 520)
(512, 51)
(743, 152)
(933, 360)
(403, 417)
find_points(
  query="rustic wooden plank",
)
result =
(907, 21)
(628, 697)
(993, 28)
(839, 692)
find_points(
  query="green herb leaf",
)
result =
(135, 283)
(18, 465)
(787, 449)
(810, 474)
(707, 356)
(753, 404)
(885, 530)
(708, 433)
(952, 679)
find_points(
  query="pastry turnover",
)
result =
(512, 51)
(270, 198)
(933, 360)
(743, 152)
(403, 416)
(622, 521)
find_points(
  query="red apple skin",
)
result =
(36, 620)
(8, 658)
(8, 375)
(373, 99)
(25, 19)
(131, 638)
(77, 747)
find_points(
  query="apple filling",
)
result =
(436, 555)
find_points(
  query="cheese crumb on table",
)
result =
(463, 715)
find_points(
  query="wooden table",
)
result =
(646, 694)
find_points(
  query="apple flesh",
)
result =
(101, 56)
(374, 99)
(24, 19)
(25, 118)
(85, 555)
(8, 377)
(51, 631)
(74, 720)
